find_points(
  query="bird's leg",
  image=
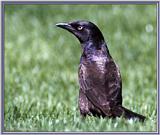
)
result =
(83, 104)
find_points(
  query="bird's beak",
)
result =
(65, 26)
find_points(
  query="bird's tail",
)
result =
(122, 111)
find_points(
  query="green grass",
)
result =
(41, 63)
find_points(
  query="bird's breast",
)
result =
(93, 66)
(97, 63)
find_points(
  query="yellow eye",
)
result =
(79, 27)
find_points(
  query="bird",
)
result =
(100, 80)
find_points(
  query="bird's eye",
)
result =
(79, 27)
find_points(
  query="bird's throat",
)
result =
(93, 47)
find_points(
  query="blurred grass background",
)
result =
(41, 63)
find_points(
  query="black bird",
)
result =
(99, 77)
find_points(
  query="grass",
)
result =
(41, 63)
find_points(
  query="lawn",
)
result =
(41, 65)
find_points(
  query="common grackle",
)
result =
(99, 76)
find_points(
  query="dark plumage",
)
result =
(99, 76)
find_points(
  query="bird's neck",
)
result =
(91, 48)
(92, 45)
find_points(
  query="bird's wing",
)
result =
(103, 89)
(113, 82)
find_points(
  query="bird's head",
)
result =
(84, 30)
